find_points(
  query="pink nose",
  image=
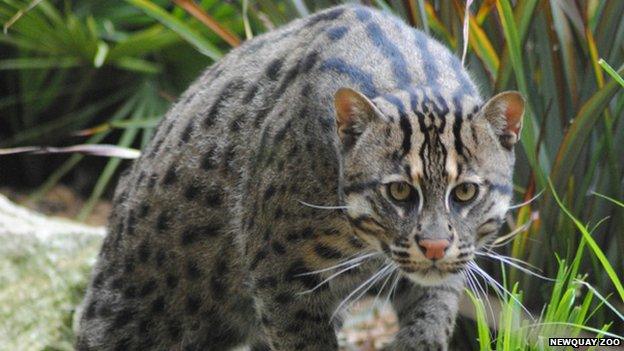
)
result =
(434, 249)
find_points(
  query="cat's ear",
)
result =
(353, 113)
(504, 112)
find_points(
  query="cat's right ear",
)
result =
(504, 112)
(353, 113)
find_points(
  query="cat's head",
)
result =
(427, 177)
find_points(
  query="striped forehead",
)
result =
(431, 124)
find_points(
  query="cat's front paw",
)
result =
(418, 340)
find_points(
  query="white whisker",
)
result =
(481, 292)
(503, 240)
(602, 298)
(384, 284)
(516, 260)
(330, 278)
(387, 269)
(341, 264)
(367, 284)
(516, 265)
(321, 207)
(512, 207)
(393, 286)
(489, 279)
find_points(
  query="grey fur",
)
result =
(211, 244)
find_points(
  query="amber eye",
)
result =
(465, 192)
(400, 191)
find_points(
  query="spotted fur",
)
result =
(218, 236)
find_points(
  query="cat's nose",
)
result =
(434, 249)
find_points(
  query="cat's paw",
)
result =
(416, 340)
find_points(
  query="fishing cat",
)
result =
(342, 153)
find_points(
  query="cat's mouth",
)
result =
(432, 273)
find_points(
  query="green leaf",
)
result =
(175, 24)
(39, 63)
(592, 244)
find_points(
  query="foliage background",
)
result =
(94, 72)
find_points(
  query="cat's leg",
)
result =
(292, 318)
(426, 316)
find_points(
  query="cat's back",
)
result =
(297, 69)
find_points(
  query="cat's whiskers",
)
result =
(321, 207)
(514, 262)
(351, 260)
(505, 239)
(393, 286)
(365, 286)
(355, 265)
(522, 204)
(478, 289)
(500, 290)
(384, 284)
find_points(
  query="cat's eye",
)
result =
(465, 192)
(401, 191)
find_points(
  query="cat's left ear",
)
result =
(354, 112)
(504, 112)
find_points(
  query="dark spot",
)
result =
(191, 192)
(260, 255)
(143, 327)
(217, 286)
(279, 213)
(175, 331)
(117, 283)
(151, 183)
(158, 305)
(307, 233)
(192, 270)
(272, 72)
(292, 237)
(144, 252)
(193, 303)
(235, 124)
(144, 210)
(309, 62)
(362, 14)
(129, 265)
(123, 344)
(162, 222)
(98, 280)
(161, 256)
(90, 311)
(266, 282)
(327, 252)
(122, 318)
(194, 234)
(207, 162)
(225, 94)
(170, 176)
(251, 93)
(336, 33)
(325, 16)
(148, 288)
(172, 281)
(278, 248)
(298, 271)
(186, 133)
(269, 192)
(130, 292)
(283, 298)
(213, 198)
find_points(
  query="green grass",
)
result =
(109, 70)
